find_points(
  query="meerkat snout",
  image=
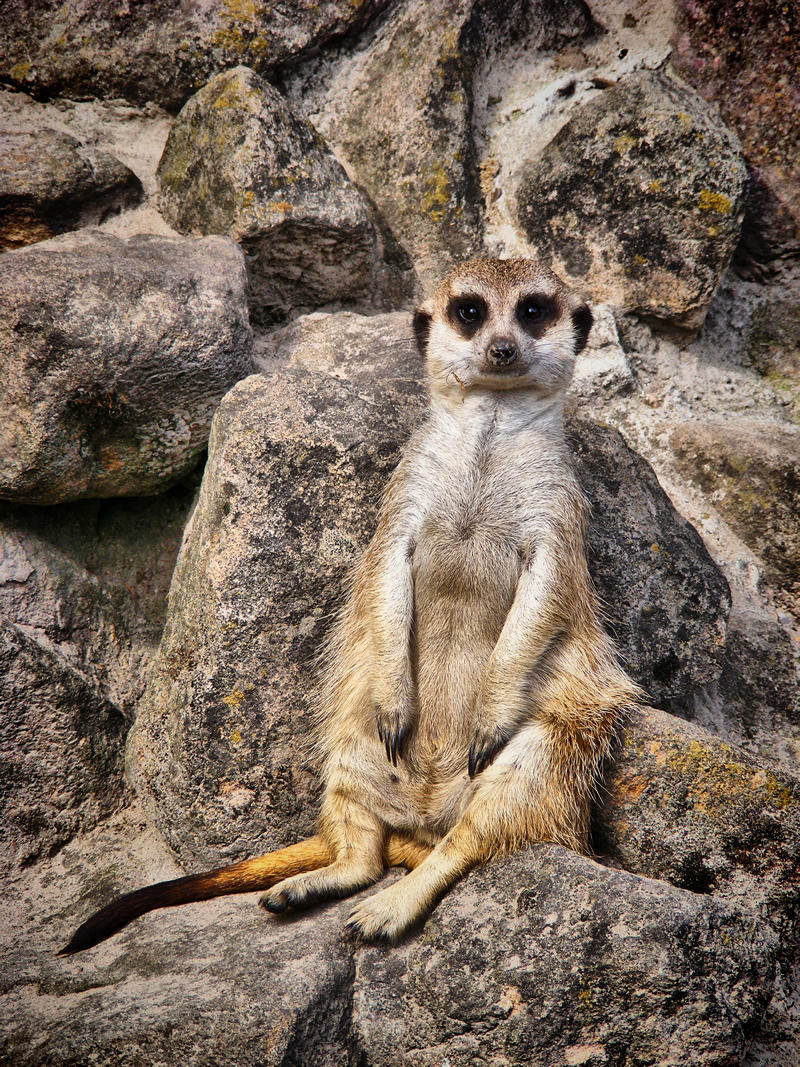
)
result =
(503, 353)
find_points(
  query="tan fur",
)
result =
(470, 694)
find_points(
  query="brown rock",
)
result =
(751, 473)
(639, 199)
(50, 183)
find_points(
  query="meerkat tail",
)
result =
(260, 873)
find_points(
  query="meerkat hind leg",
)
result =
(356, 837)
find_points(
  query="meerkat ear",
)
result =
(423, 317)
(582, 320)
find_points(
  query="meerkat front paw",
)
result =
(486, 743)
(393, 730)
(383, 917)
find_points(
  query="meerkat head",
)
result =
(500, 325)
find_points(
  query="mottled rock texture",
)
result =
(61, 744)
(240, 162)
(744, 58)
(547, 958)
(116, 354)
(164, 52)
(50, 183)
(752, 472)
(400, 114)
(602, 208)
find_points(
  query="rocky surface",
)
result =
(163, 54)
(116, 354)
(61, 750)
(240, 162)
(599, 206)
(50, 183)
(752, 473)
(437, 114)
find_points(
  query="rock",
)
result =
(240, 162)
(639, 199)
(89, 580)
(602, 370)
(116, 354)
(718, 45)
(751, 472)
(220, 750)
(50, 182)
(400, 114)
(165, 54)
(297, 462)
(773, 345)
(219, 983)
(61, 744)
(685, 807)
(547, 958)
(666, 602)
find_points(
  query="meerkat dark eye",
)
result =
(533, 310)
(469, 313)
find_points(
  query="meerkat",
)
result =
(470, 693)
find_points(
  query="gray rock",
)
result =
(240, 162)
(61, 744)
(639, 199)
(548, 958)
(90, 580)
(219, 752)
(666, 602)
(297, 461)
(751, 471)
(161, 54)
(399, 112)
(49, 183)
(686, 807)
(219, 983)
(116, 354)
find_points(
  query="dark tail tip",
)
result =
(116, 915)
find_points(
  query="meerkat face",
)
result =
(500, 325)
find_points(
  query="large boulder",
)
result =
(751, 471)
(638, 199)
(115, 354)
(240, 162)
(61, 743)
(50, 182)
(401, 114)
(161, 54)
(548, 958)
(297, 461)
(665, 600)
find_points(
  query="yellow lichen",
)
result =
(655, 186)
(236, 737)
(234, 699)
(436, 194)
(715, 202)
(20, 70)
(624, 144)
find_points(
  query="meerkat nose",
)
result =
(503, 353)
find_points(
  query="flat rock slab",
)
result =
(161, 54)
(50, 183)
(639, 199)
(116, 354)
(547, 958)
(240, 162)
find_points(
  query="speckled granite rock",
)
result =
(116, 354)
(160, 53)
(639, 199)
(50, 182)
(240, 162)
